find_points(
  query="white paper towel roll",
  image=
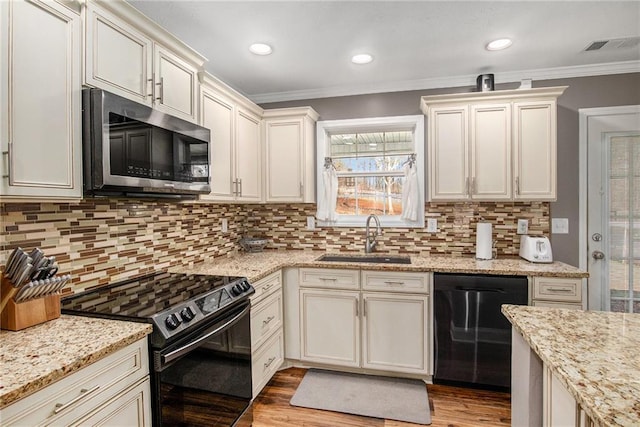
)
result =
(483, 240)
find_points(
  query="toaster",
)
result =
(535, 249)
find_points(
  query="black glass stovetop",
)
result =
(142, 297)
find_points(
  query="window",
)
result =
(369, 157)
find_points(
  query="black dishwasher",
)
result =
(472, 338)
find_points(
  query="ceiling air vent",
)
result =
(613, 44)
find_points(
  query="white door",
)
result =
(612, 237)
(284, 160)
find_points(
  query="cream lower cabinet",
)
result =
(492, 145)
(373, 320)
(394, 331)
(236, 147)
(113, 391)
(330, 327)
(558, 292)
(131, 56)
(40, 100)
(267, 335)
(559, 408)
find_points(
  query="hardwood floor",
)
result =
(450, 407)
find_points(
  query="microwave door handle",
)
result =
(173, 355)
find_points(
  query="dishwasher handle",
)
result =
(492, 290)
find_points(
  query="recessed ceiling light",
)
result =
(362, 58)
(499, 44)
(260, 49)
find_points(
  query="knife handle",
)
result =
(8, 291)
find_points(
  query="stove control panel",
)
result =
(188, 313)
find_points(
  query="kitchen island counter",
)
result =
(35, 357)
(255, 266)
(593, 354)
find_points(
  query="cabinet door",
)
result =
(535, 150)
(490, 152)
(395, 332)
(284, 160)
(559, 408)
(448, 153)
(248, 155)
(118, 58)
(217, 114)
(330, 327)
(175, 84)
(40, 96)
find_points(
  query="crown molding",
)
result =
(453, 81)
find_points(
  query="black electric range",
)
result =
(200, 347)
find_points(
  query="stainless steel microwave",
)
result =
(130, 149)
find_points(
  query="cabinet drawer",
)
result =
(394, 281)
(557, 289)
(81, 391)
(266, 317)
(266, 286)
(554, 304)
(266, 362)
(329, 278)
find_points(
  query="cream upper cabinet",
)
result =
(492, 145)
(534, 162)
(130, 55)
(289, 135)
(236, 148)
(40, 100)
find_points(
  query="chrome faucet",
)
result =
(370, 236)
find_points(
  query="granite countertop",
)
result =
(35, 357)
(255, 266)
(593, 353)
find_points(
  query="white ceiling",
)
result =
(415, 44)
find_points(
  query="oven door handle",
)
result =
(179, 352)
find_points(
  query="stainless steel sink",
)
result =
(379, 259)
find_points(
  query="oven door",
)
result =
(204, 379)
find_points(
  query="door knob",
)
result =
(597, 255)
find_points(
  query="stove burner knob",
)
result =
(236, 290)
(172, 321)
(187, 314)
(245, 285)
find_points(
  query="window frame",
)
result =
(414, 123)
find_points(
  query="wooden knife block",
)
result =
(16, 316)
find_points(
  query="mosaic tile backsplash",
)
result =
(100, 241)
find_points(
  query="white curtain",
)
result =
(329, 196)
(410, 193)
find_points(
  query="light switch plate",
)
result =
(432, 225)
(523, 226)
(560, 225)
(224, 225)
(311, 223)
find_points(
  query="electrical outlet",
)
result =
(432, 225)
(523, 226)
(560, 225)
(224, 225)
(311, 223)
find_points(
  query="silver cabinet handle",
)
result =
(234, 184)
(268, 320)
(357, 302)
(267, 287)
(301, 190)
(466, 186)
(328, 279)
(391, 282)
(8, 155)
(161, 84)
(517, 186)
(562, 290)
(474, 190)
(269, 362)
(364, 307)
(240, 186)
(152, 87)
(83, 394)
